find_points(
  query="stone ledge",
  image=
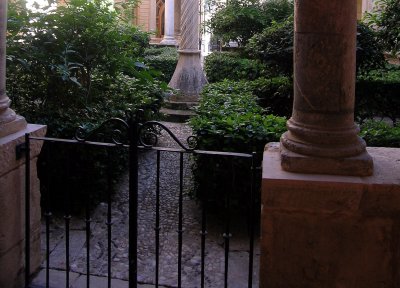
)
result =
(371, 194)
(8, 143)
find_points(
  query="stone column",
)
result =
(9, 121)
(322, 137)
(169, 23)
(177, 24)
(189, 77)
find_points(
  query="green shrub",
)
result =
(239, 20)
(227, 65)
(274, 48)
(369, 50)
(163, 59)
(76, 65)
(380, 134)
(274, 94)
(378, 95)
(230, 121)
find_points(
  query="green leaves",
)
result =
(229, 118)
(78, 63)
(385, 19)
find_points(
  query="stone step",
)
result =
(179, 116)
(179, 105)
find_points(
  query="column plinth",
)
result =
(322, 136)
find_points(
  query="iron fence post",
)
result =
(27, 209)
(133, 198)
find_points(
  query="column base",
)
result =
(189, 76)
(360, 165)
(12, 127)
(169, 41)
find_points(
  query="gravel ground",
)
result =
(169, 195)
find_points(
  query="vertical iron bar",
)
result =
(27, 209)
(252, 216)
(227, 233)
(203, 233)
(67, 218)
(88, 220)
(180, 231)
(157, 228)
(109, 222)
(133, 200)
(48, 213)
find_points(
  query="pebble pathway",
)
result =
(168, 272)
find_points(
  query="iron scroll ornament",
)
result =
(150, 130)
(113, 129)
(116, 131)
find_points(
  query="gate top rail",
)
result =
(142, 147)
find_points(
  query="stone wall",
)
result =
(12, 208)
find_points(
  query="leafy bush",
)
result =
(369, 51)
(163, 59)
(385, 19)
(226, 65)
(239, 20)
(77, 64)
(377, 95)
(234, 121)
(380, 134)
(274, 48)
(230, 121)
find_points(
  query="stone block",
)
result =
(12, 208)
(331, 231)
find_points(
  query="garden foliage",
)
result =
(227, 65)
(385, 19)
(163, 59)
(380, 134)
(239, 20)
(77, 65)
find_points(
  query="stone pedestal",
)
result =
(331, 231)
(12, 209)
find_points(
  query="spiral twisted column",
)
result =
(322, 137)
(189, 76)
(9, 121)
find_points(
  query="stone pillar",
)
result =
(177, 24)
(9, 121)
(169, 23)
(189, 76)
(322, 136)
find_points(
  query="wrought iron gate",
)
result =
(135, 136)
